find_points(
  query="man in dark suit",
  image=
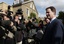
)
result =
(54, 31)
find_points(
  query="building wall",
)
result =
(11, 8)
(1, 5)
(4, 6)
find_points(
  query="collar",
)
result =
(52, 19)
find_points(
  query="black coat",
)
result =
(2, 33)
(54, 33)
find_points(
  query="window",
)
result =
(28, 13)
(31, 5)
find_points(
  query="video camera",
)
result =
(19, 11)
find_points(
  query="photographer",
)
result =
(8, 25)
(18, 22)
(9, 13)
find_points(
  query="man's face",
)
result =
(16, 17)
(49, 13)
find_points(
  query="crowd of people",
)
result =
(18, 30)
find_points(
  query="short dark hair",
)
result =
(53, 9)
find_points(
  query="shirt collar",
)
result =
(52, 19)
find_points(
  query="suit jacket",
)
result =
(54, 33)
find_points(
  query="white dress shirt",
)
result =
(52, 19)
